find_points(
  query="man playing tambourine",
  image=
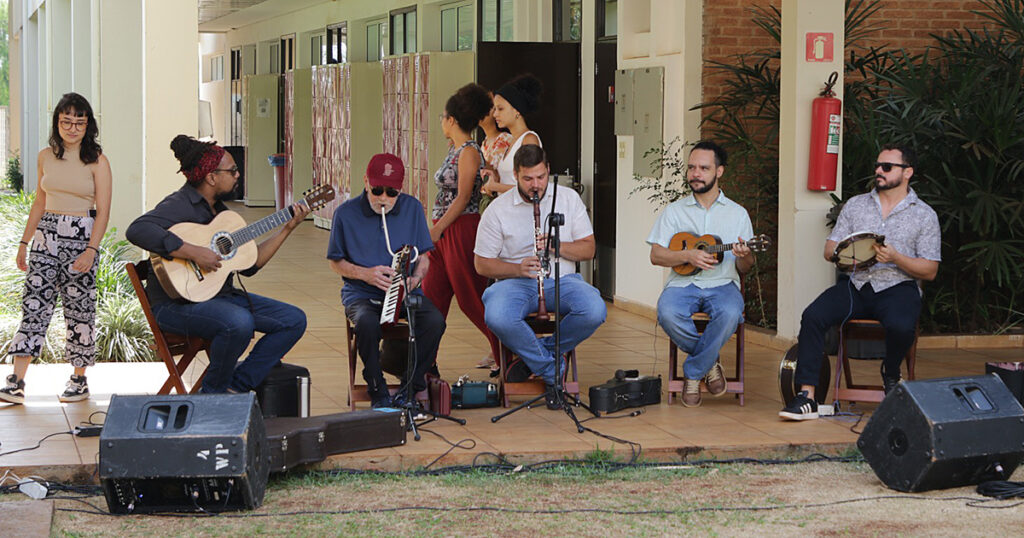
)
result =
(886, 290)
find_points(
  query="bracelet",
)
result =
(94, 248)
(24, 243)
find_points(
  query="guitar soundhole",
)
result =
(223, 245)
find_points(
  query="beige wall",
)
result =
(661, 33)
(216, 92)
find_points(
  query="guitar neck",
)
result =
(716, 249)
(261, 226)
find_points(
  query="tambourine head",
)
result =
(856, 252)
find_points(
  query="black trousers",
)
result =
(428, 325)
(896, 308)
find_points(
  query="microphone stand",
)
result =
(413, 303)
(565, 400)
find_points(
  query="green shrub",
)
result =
(15, 180)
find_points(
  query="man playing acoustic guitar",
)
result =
(702, 281)
(228, 319)
(887, 290)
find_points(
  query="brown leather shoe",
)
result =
(715, 380)
(691, 393)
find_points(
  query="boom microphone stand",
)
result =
(565, 400)
(410, 408)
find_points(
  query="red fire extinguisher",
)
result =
(826, 124)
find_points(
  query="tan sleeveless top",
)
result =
(68, 184)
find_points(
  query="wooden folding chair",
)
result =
(357, 392)
(535, 386)
(167, 345)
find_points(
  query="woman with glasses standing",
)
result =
(456, 211)
(514, 100)
(63, 233)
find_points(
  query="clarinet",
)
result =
(542, 310)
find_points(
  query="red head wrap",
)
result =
(208, 163)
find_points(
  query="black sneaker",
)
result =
(801, 408)
(398, 400)
(14, 392)
(889, 383)
(76, 390)
(380, 400)
(552, 398)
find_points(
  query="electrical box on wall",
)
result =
(624, 102)
(639, 112)
(648, 114)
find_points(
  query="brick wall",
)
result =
(728, 28)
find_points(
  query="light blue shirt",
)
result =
(725, 219)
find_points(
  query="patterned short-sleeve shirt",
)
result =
(447, 180)
(912, 228)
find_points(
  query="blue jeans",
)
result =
(676, 307)
(229, 325)
(508, 302)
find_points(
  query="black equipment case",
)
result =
(285, 391)
(627, 389)
(299, 441)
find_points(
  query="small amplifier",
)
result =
(284, 392)
(627, 389)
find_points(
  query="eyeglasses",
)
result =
(887, 167)
(232, 170)
(69, 125)
(379, 190)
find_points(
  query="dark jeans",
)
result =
(229, 325)
(897, 308)
(428, 324)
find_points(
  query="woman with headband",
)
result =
(514, 100)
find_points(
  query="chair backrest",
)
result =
(137, 272)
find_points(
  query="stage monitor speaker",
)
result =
(183, 453)
(944, 433)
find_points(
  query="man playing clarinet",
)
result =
(367, 232)
(510, 245)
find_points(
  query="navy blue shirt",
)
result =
(357, 236)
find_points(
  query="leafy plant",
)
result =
(15, 180)
(669, 183)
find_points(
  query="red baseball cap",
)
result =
(385, 170)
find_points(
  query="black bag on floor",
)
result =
(285, 391)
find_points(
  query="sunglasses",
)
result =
(378, 190)
(887, 167)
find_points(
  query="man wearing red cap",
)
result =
(366, 232)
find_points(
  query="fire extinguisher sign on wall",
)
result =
(826, 128)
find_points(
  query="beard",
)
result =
(225, 196)
(882, 185)
(705, 188)
(528, 196)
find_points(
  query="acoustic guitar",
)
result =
(229, 236)
(712, 244)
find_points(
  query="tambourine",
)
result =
(856, 251)
(787, 377)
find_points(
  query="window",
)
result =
(403, 30)
(287, 54)
(337, 43)
(607, 18)
(317, 50)
(457, 28)
(376, 40)
(497, 20)
(217, 68)
(567, 20)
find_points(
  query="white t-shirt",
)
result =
(506, 174)
(506, 230)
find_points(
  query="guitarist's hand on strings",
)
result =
(740, 248)
(206, 259)
(699, 258)
(299, 212)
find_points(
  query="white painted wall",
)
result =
(216, 92)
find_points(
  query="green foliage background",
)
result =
(960, 104)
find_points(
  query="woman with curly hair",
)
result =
(516, 99)
(456, 211)
(65, 227)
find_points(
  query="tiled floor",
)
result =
(299, 274)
